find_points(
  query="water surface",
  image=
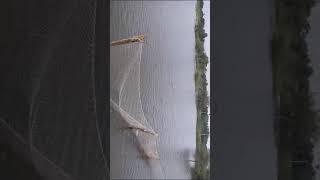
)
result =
(167, 87)
(242, 91)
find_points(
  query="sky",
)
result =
(313, 40)
(206, 11)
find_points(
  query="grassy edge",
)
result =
(201, 169)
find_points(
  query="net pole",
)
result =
(134, 39)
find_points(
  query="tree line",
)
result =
(296, 117)
(201, 168)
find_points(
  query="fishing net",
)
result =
(125, 94)
(53, 86)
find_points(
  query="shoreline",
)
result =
(201, 168)
(294, 120)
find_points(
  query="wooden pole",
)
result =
(134, 39)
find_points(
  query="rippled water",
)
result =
(167, 87)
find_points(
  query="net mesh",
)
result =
(53, 90)
(125, 94)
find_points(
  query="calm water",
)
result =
(242, 76)
(168, 92)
